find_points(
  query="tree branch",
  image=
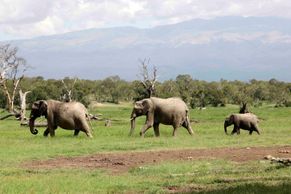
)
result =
(147, 80)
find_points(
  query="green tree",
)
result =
(184, 83)
(168, 89)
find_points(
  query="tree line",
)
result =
(113, 89)
(194, 92)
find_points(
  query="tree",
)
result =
(184, 83)
(12, 70)
(22, 96)
(68, 85)
(148, 80)
(109, 88)
(244, 109)
(168, 89)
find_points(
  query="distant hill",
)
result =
(227, 47)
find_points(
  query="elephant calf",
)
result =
(67, 115)
(247, 121)
(170, 111)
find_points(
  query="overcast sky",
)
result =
(30, 18)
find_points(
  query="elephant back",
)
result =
(174, 105)
(73, 109)
(248, 116)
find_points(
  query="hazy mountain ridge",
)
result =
(207, 49)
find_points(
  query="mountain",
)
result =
(232, 48)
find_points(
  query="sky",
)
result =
(21, 19)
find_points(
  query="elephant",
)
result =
(170, 111)
(246, 121)
(67, 115)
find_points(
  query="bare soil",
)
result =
(121, 162)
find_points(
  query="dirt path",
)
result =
(122, 162)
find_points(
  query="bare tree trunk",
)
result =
(43, 124)
(7, 116)
(10, 103)
(12, 112)
(23, 105)
(10, 66)
(10, 97)
(148, 81)
(68, 96)
(244, 108)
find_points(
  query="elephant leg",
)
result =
(175, 130)
(82, 125)
(145, 128)
(86, 129)
(46, 132)
(52, 131)
(187, 125)
(88, 133)
(76, 132)
(256, 129)
(235, 130)
(156, 129)
(238, 131)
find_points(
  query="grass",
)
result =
(17, 145)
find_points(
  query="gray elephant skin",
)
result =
(67, 115)
(170, 111)
(246, 121)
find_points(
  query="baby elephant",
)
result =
(247, 121)
(67, 115)
(170, 111)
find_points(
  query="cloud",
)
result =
(15, 12)
(28, 18)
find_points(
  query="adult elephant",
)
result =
(246, 121)
(67, 115)
(170, 111)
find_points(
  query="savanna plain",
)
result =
(112, 162)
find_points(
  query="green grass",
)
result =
(17, 145)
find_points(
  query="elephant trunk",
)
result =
(132, 123)
(225, 127)
(31, 126)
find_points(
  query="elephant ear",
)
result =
(147, 106)
(138, 105)
(43, 107)
(231, 118)
(35, 105)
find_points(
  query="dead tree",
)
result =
(283, 161)
(244, 108)
(19, 114)
(23, 105)
(68, 95)
(148, 80)
(10, 67)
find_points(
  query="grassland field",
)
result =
(19, 146)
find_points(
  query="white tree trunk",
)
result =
(23, 105)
